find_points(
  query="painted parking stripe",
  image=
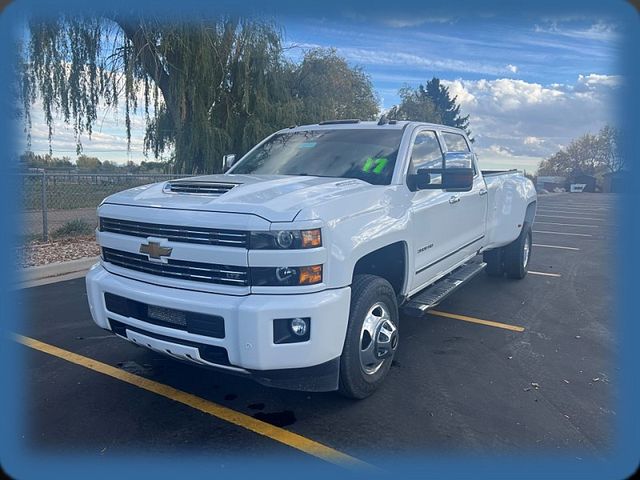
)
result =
(572, 218)
(578, 205)
(564, 233)
(544, 274)
(464, 318)
(278, 434)
(555, 246)
(573, 207)
(579, 215)
(567, 224)
(576, 210)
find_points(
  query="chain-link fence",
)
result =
(61, 204)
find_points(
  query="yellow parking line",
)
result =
(278, 434)
(464, 318)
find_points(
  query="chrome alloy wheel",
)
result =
(526, 251)
(378, 338)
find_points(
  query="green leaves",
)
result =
(586, 155)
(430, 103)
(209, 87)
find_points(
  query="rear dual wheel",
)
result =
(512, 259)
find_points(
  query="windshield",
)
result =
(367, 154)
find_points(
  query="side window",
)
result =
(455, 142)
(426, 153)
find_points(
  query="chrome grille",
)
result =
(195, 271)
(201, 235)
(201, 188)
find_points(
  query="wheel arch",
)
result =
(530, 213)
(388, 262)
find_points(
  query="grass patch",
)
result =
(73, 228)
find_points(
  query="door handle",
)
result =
(483, 191)
(454, 199)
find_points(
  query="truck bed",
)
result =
(488, 173)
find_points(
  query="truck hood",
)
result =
(277, 198)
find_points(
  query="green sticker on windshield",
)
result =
(379, 164)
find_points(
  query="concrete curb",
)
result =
(57, 269)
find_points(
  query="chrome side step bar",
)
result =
(434, 294)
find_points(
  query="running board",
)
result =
(434, 294)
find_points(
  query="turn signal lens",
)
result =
(310, 275)
(311, 238)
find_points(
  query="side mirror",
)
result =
(422, 179)
(459, 179)
(228, 161)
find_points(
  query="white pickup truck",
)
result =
(292, 268)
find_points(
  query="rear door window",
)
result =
(455, 142)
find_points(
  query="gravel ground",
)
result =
(61, 250)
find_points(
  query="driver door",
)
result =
(435, 223)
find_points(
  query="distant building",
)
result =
(614, 182)
(588, 180)
(551, 183)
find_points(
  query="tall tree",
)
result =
(609, 149)
(330, 89)
(430, 103)
(207, 87)
(586, 155)
(415, 105)
(447, 107)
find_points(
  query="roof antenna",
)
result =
(383, 120)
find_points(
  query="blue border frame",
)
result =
(625, 454)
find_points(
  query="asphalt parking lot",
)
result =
(502, 366)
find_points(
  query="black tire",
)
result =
(514, 256)
(493, 259)
(366, 291)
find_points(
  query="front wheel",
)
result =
(372, 336)
(518, 254)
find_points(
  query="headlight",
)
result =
(286, 239)
(285, 276)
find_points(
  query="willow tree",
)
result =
(207, 87)
(331, 89)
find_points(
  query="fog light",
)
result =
(299, 326)
(291, 330)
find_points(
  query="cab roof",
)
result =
(354, 124)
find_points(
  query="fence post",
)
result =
(45, 222)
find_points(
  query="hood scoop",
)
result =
(212, 189)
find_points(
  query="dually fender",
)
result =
(512, 202)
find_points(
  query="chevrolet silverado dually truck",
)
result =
(293, 267)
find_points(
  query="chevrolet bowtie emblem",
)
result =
(154, 250)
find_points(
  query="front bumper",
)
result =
(248, 329)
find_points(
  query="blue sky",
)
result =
(530, 84)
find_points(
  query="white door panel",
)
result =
(448, 226)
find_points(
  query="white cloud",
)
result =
(516, 123)
(600, 30)
(107, 141)
(399, 60)
(403, 22)
(533, 141)
(593, 80)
